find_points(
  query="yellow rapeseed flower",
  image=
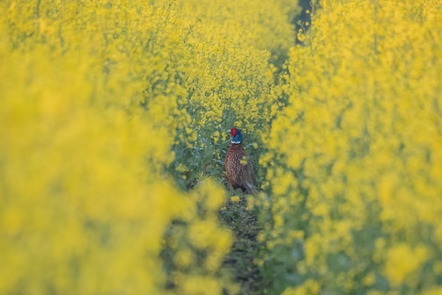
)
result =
(235, 199)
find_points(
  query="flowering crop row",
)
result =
(100, 99)
(355, 161)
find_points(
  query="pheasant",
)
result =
(239, 169)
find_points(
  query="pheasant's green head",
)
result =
(236, 136)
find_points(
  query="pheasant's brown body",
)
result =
(239, 169)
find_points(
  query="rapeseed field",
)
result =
(113, 123)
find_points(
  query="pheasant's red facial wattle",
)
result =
(233, 132)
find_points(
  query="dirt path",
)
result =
(240, 260)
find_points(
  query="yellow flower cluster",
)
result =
(355, 159)
(98, 99)
(229, 81)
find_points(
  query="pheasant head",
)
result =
(236, 135)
